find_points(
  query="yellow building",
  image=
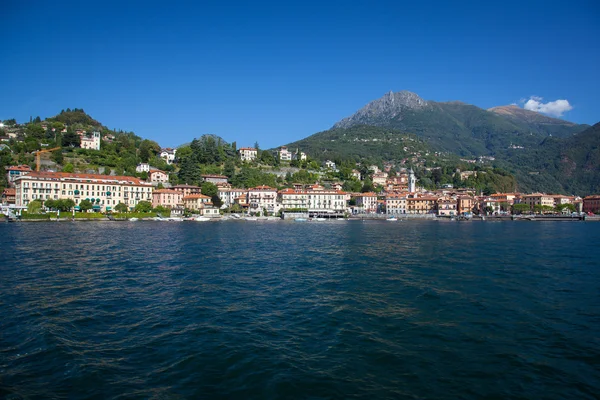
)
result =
(104, 191)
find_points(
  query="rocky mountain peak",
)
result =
(388, 107)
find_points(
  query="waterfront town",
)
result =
(398, 195)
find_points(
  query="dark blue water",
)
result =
(373, 310)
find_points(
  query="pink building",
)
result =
(167, 198)
(158, 176)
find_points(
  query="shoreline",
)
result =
(409, 217)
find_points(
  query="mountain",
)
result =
(528, 144)
(461, 128)
(536, 121)
(569, 165)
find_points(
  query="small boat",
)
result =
(133, 219)
(320, 219)
(300, 219)
(201, 219)
(392, 219)
(251, 218)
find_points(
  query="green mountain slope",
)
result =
(568, 165)
(361, 142)
(461, 128)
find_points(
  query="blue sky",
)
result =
(275, 72)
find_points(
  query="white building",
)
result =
(322, 200)
(104, 191)
(91, 142)
(168, 155)
(412, 181)
(366, 202)
(143, 167)
(248, 153)
(262, 198)
(395, 204)
(299, 155)
(284, 154)
(228, 195)
(329, 164)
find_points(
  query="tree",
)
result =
(164, 211)
(143, 206)
(68, 168)
(561, 207)
(65, 204)
(85, 205)
(229, 169)
(34, 206)
(71, 139)
(121, 208)
(520, 208)
(51, 204)
(367, 185)
(148, 149)
(57, 157)
(210, 189)
(267, 158)
(35, 131)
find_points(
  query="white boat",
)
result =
(251, 218)
(392, 219)
(300, 219)
(201, 219)
(133, 219)
(319, 219)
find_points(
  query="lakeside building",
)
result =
(195, 202)
(262, 198)
(446, 207)
(509, 198)
(248, 153)
(421, 204)
(315, 199)
(365, 202)
(167, 198)
(8, 196)
(104, 191)
(186, 190)
(591, 204)
(537, 199)
(465, 204)
(395, 203)
(229, 195)
(15, 171)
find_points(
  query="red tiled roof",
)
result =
(195, 196)
(19, 168)
(66, 175)
(168, 191)
(263, 187)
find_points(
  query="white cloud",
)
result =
(555, 108)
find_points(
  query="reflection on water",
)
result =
(326, 310)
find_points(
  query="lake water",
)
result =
(333, 310)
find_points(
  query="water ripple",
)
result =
(318, 311)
